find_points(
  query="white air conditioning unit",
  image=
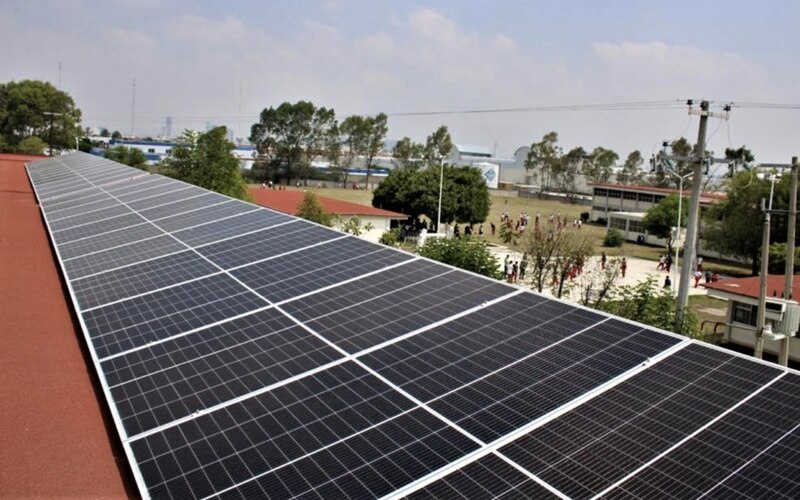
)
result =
(790, 320)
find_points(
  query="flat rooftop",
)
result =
(56, 437)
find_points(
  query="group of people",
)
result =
(665, 264)
(515, 270)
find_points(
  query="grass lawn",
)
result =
(515, 205)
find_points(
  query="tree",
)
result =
(661, 218)
(631, 172)
(85, 145)
(376, 129)
(409, 154)
(31, 146)
(734, 226)
(206, 160)
(321, 128)
(681, 147)
(128, 156)
(353, 136)
(23, 106)
(353, 225)
(462, 253)
(568, 169)
(402, 191)
(742, 157)
(104, 132)
(116, 135)
(600, 165)
(551, 252)
(437, 146)
(290, 135)
(310, 209)
(332, 148)
(544, 157)
(647, 303)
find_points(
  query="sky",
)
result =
(224, 62)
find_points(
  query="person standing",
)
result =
(514, 271)
(523, 266)
(667, 283)
(603, 259)
(697, 276)
(623, 266)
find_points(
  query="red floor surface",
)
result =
(55, 439)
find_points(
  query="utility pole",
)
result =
(689, 248)
(783, 356)
(761, 320)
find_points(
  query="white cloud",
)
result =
(504, 42)
(680, 59)
(378, 44)
(198, 29)
(131, 39)
(435, 27)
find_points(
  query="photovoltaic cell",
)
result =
(155, 192)
(600, 442)
(376, 318)
(751, 452)
(153, 317)
(267, 431)
(121, 256)
(146, 277)
(94, 203)
(267, 243)
(182, 206)
(73, 200)
(96, 228)
(313, 268)
(514, 396)
(208, 367)
(223, 229)
(435, 362)
(204, 215)
(138, 184)
(489, 477)
(95, 216)
(178, 192)
(107, 240)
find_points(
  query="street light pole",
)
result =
(761, 322)
(441, 183)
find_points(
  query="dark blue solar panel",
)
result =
(600, 442)
(313, 268)
(267, 431)
(138, 321)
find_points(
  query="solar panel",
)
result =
(246, 353)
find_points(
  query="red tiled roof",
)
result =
(748, 287)
(704, 197)
(287, 201)
(55, 434)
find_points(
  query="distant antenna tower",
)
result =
(59, 75)
(133, 106)
(168, 128)
(239, 132)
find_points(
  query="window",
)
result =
(657, 198)
(601, 209)
(151, 150)
(613, 193)
(169, 151)
(617, 223)
(635, 226)
(628, 195)
(646, 198)
(745, 313)
(600, 192)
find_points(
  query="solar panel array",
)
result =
(247, 353)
